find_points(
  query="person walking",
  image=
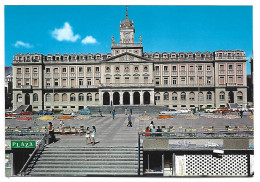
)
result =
(125, 111)
(88, 140)
(241, 113)
(100, 113)
(129, 121)
(51, 133)
(151, 125)
(113, 114)
(159, 130)
(93, 133)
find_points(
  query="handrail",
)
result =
(138, 154)
(41, 143)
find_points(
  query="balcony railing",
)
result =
(26, 87)
(186, 85)
(126, 45)
(230, 58)
(127, 85)
(69, 87)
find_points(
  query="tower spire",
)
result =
(126, 12)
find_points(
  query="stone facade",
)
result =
(129, 76)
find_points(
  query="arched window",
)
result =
(89, 97)
(117, 68)
(191, 96)
(35, 97)
(81, 97)
(174, 96)
(48, 97)
(72, 97)
(56, 97)
(136, 68)
(108, 69)
(201, 97)
(64, 97)
(166, 96)
(239, 96)
(209, 96)
(19, 98)
(183, 96)
(97, 97)
(222, 95)
(157, 96)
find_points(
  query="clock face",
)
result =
(126, 35)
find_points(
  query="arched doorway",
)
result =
(136, 98)
(27, 99)
(126, 98)
(231, 97)
(146, 98)
(106, 98)
(116, 98)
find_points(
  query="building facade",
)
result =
(129, 76)
(8, 87)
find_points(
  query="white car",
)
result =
(169, 112)
(67, 112)
(184, 111)
(211, 110)
(251, 109)
(209, 144)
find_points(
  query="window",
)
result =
(81, 97)
(145, 68)
(221, 67)
(165, 68)
(157, 96)
(183, 96)
(239, 96)
(209, 96)
(146, 80)
(48, 70)
(82, 57)
(174, 96)
(35, 82)
(27, 70)
(230, 79)
(191, 80)
(230, 67)
(174, 68)
(126, 79)
(136, 68)
(136, 79)
(80, 70)
(239, 80)
(108, 80)
(165, 81)
(56, 97)
(208, 80)
(80, 82)
(157, 81)
(107, 69)
(182, 68)
(27, 82)
(222, 96)
(88, 69)
(89, 97)
(239, 67)
(48, 97)
(72, 70)
(35, 70)
(183, 80)
(174, 81)
(64, 97)
(56, 82)
(19, 98)
(72, 97)
(157, 68)
(97, 69)
(201, 97)
(117, 79)
(19, 70)
(35, 97)
(166, 96)
(48, 82)
(221, 80)
(208, 68)
(97, 97)
(56, 70)
(117, 68)
(64, 82)
(64, 70)
(199, 68)
(88, 81)
(191, 96)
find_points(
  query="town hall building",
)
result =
(129, 76)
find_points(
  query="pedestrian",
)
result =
(61, 123)
(159, 130)
(241, 113)
(144, 112)
(100, 113)
(125, 111)
(131, 111)
(151, 125)
(129, 121)
(93, 133)
(153, 131)
(51, 133)
(34, 123)
(113, 114)
(88, 140)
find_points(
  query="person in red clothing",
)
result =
(147, 130)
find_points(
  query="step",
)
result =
(89, 163)
(101, 170)
(84, 159)
(90, 152)
(72, 166)
(65, 156)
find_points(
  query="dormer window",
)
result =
(108, 56)
(220, 54)
(107, 69)
(117, 68)
(89, 57)
(238, 54)
(65, 58)
(49, 58)
(190, 55)
(145, 68)
(20, 58)
(73, 57)
(136, 68)
(164, 56)
(182, 56)
(81, 57)
(36, 57)
(98, 56)
(57, 58)
(156, 55)
(229, 54)
(173, 56)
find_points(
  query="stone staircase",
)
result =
(23, 108)
(121, 109)
(86, 161)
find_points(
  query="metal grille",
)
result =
(207, 165)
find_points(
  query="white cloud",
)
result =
(22, 44)
(89, 40)
(65, 33)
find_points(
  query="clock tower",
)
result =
(127, 30)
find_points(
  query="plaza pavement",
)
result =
(115, 132)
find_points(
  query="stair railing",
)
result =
(40, 145)
(138, 154)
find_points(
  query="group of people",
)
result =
(90, 135)
(151, 128)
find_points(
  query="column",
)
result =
(141, 98)
(152, 97)
(131, 98)
(111, 98)
(121, 98)
(100, 98)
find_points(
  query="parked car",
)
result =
(68, 112)
(251, 109)
(211, 110)
(26, 113)
(169, 112)
(84, 111)
(209, 144)
(42, 112)
(184, 111)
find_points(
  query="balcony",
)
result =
(69, 87)
(26, 87)
(166, 73)
(35, 75)
(182, 72)
(239, 72)
(174, 73)
(230, 58)
(56, 75)
(208, 73)
(200, 73)
(80, 74)
(97, 74)
(157, 73)
(27, 75)
(230, 72)
(192, 73)
(222, 72)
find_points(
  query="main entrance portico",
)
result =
(127, 97)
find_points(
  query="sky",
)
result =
(88, 29)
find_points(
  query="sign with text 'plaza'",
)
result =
(22, 144)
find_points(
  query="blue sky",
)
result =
(84, 29)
